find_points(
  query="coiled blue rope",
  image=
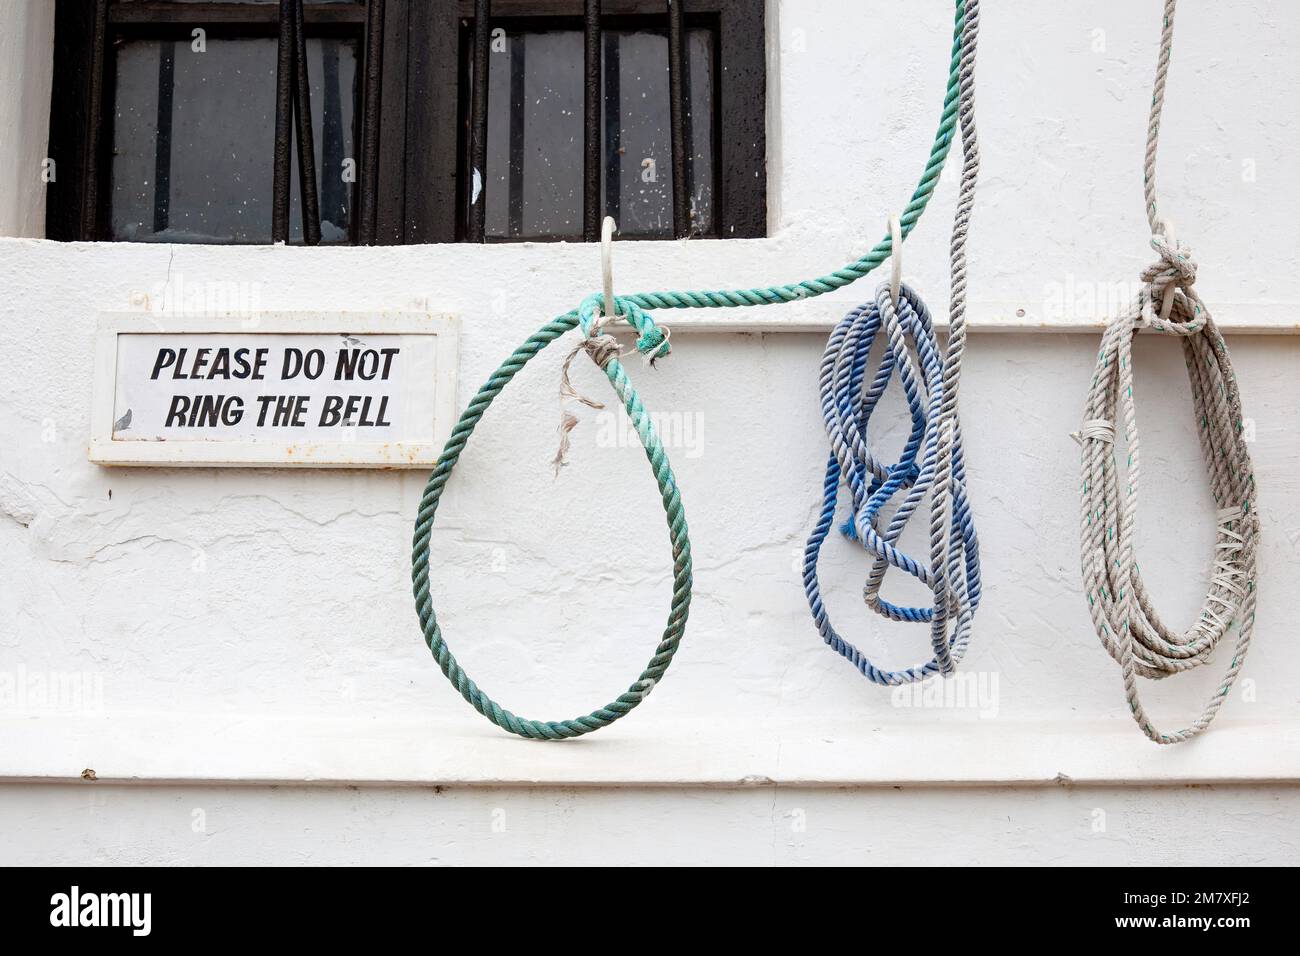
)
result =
(932, 464)
(912, 354)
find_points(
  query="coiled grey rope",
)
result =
(1122, 612)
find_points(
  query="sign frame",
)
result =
(104, 450)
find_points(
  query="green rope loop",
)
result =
(681, 545)
(651, 340)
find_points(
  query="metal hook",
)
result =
(607, 229)
(1167, 297)
(895, 258)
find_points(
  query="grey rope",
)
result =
(948, 557)
(1122, 612)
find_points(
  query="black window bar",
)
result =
(478, 115)
(293, 101)
(594, 208)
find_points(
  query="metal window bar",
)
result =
(594, 209)
(95, 127)
(478, 121)
(306, 147)
(293, 102)
(283, 116)
(368, 227)
(679, 117)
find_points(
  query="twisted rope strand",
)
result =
(1122, 612)
(910, 351)
(652, 341)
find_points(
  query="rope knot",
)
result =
(652, 339)
(1100, 429)
(1176, 262)
(602, 347)
(653, 343)
(1168, 302)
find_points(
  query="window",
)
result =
(362, 121)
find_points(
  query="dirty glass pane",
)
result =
(332, 72)
(534, 184)
(194, 135)
(638, 170)
(192, 141)
(534, 165)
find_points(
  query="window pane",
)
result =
(192, 141)
(638, 168)
(194, 137)
(535, 130)
(534, 164)
(699, 50)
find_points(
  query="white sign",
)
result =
(275, 389)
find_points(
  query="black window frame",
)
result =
(412, 119)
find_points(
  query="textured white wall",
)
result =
(26, 51)
(265, 594)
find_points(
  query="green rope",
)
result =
(652, 341)
(672, 500)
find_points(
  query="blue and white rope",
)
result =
(910, 353)
(929, 379)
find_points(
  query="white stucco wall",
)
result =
(26, 50)
(240, 626)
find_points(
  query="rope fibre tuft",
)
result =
(651, 341)
(848, 401)
(1121, 608)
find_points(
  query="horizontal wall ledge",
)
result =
(212, 749)
(822, 314)
(512, 288)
